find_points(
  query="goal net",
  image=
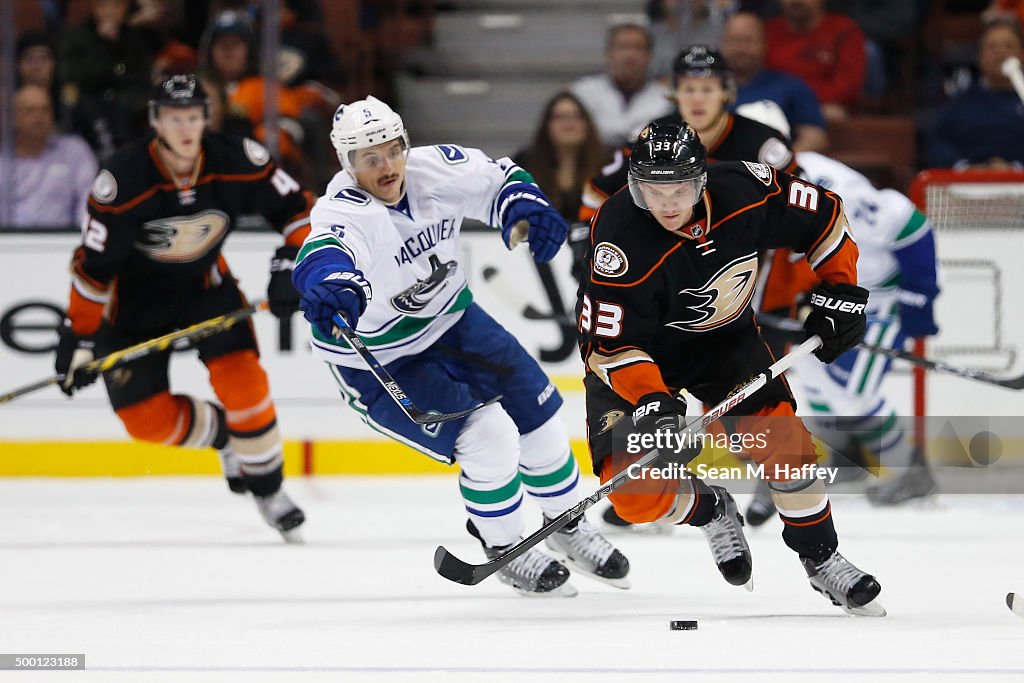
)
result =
(978, 219)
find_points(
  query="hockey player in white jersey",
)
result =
(897, 265)
(384, 253)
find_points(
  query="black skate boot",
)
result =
(232, 469)
(278, 510)
(762, 507)
(728, 545)
(615, 524)
(912, 483)
(534, 573)
(845, 585)
(588, 552)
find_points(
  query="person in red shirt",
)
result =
(826, 50)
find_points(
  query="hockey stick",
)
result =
(1012, 70)
(391, 386)
(1013, 383)
(193, 333)
(454, 569)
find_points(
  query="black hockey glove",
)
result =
(281, 293)
(579, 242)
(73, 353)
(660, 413)
(837, 316)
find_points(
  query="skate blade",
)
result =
(649, 529)
(872, 609)
(622, 583)
(293, 536)
(749, 585)
(566, 590)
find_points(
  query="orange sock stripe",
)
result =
(822, 516)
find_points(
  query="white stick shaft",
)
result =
(1011, 69)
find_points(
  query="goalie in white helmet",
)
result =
(383, 252)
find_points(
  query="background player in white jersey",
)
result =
(897, 265)
(383, 251)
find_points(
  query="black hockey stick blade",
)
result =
(452, 568)
(794, 327)
(392, 387)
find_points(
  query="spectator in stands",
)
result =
(743, 47)
(1005, 10)
(683, 22)
(228, 53)
(52, 172)
(36, 64)
(983, 127)
(621, 101)
(106, 64)
(886, 26)
(826, 50)
(566, 150)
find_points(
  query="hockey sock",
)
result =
(695, 504)
(266, 483)
(487, 450)
(548, 469)
(807, 517)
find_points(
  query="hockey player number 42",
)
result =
(284, 183)
(94, 235)
(609, 318)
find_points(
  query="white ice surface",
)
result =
(176, 579)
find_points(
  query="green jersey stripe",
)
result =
(404, 328)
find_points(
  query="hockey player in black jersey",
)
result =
(672, 265)
(704, 89)
(150, 262)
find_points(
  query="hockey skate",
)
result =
(914, 482)
(615, 524)
(280, 512)
(588, 552)
(762, 507)
(231, 466)
(846, 586)
(533, 574)
(728, 544)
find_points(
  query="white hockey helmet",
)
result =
(365, 123)
(767, 112)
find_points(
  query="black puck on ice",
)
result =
(683, 625)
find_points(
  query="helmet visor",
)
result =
(375, 158)
(667, 197)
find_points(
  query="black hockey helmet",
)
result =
(667, 153)
(179, 90)
(702, 61)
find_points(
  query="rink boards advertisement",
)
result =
(47, 434)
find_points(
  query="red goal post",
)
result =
(960, 202)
